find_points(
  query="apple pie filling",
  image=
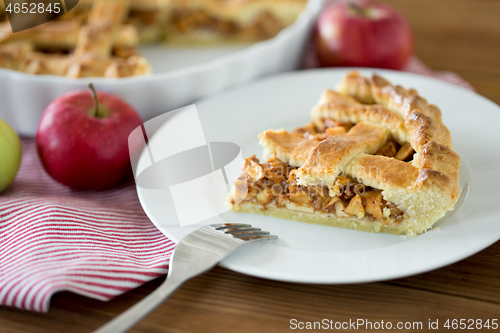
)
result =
(266, 25)
(275, 183)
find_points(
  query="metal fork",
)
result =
(196, 253)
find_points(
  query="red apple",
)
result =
(365, 34)
(82, 139)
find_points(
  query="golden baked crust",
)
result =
(22, 57)
(422, 120)
(62, 35)
(289, 148)
(404, 191)
(437, 162)
(336, 106)
(329, 157)
(101, 46)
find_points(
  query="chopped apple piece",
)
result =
(292, 178)
(373, 203)
(388, 150)
(340, 184)
(265, 196)
(316, 136)
(339, 209)
(253, 169)
(355, 207)
(240, 190)
(282, 200)
(298, 208)
(387, 212)
(300, 196)
(329, 205)
(405, 153)
(333, 131)
(332, 123)
(252, 192)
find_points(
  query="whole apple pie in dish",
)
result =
(376, 157)
(99, 38)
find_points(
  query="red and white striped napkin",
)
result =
(97, 244)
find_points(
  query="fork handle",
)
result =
(129, 318)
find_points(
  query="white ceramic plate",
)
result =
(180, 77)
(317, 254)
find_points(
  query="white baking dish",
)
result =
(23, 97)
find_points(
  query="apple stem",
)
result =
(96, 100)
(356, 9)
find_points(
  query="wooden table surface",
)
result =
(458, 35)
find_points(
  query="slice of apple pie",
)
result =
(376, 157)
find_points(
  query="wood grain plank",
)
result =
(225, 301)
(486, 87)
(477, 277)
(456, 35)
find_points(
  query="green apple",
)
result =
(10, 154)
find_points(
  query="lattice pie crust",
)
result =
(376, 157)
(99, 37)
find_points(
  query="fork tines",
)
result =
(242, 231)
